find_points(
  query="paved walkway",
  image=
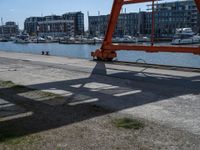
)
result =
(169, 97)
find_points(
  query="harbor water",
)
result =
(84, 50)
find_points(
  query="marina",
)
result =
(84, 50)
(124, 80)
(185, 36)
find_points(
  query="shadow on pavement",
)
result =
(84, 97)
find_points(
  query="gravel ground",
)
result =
(77, 101)
(50, 126)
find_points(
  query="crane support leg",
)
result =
(108, 49)
(198, 4)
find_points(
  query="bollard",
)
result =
(47, 52)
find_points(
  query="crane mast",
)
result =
(108, 49)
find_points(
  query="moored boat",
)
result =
(185, 36)
(22, 39)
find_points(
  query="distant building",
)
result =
(55, 26)
(127, 25)
(69, 24)
(78, 18)
(198, 22)
(98, 25)
(168, 17)
(9, 29)
(172, 15)
(31, 25)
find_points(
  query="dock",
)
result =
(168, 96)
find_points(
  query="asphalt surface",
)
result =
(166, 96)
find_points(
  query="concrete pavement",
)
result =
(168, 97)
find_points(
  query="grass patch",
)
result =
(48, 94)
(128, 123)
(1, 94)
(8, 133)
(10, 84)
(14, 140)
(17, 89)
(6, 84)
(21, 88)
(26, 140)
(13, 86)
(14, 137)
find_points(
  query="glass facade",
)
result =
(127, 25)
(78, 18)
(68, 24)
(168, 17)
(9, 29)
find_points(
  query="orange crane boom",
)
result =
(108, 49)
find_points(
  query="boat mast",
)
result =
(2, 27)
(139, 22)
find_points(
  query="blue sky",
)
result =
(18, 10)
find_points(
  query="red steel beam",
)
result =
(175, 49)
(107, 51)
(136, 1)
(117, 5)
(198, 4)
